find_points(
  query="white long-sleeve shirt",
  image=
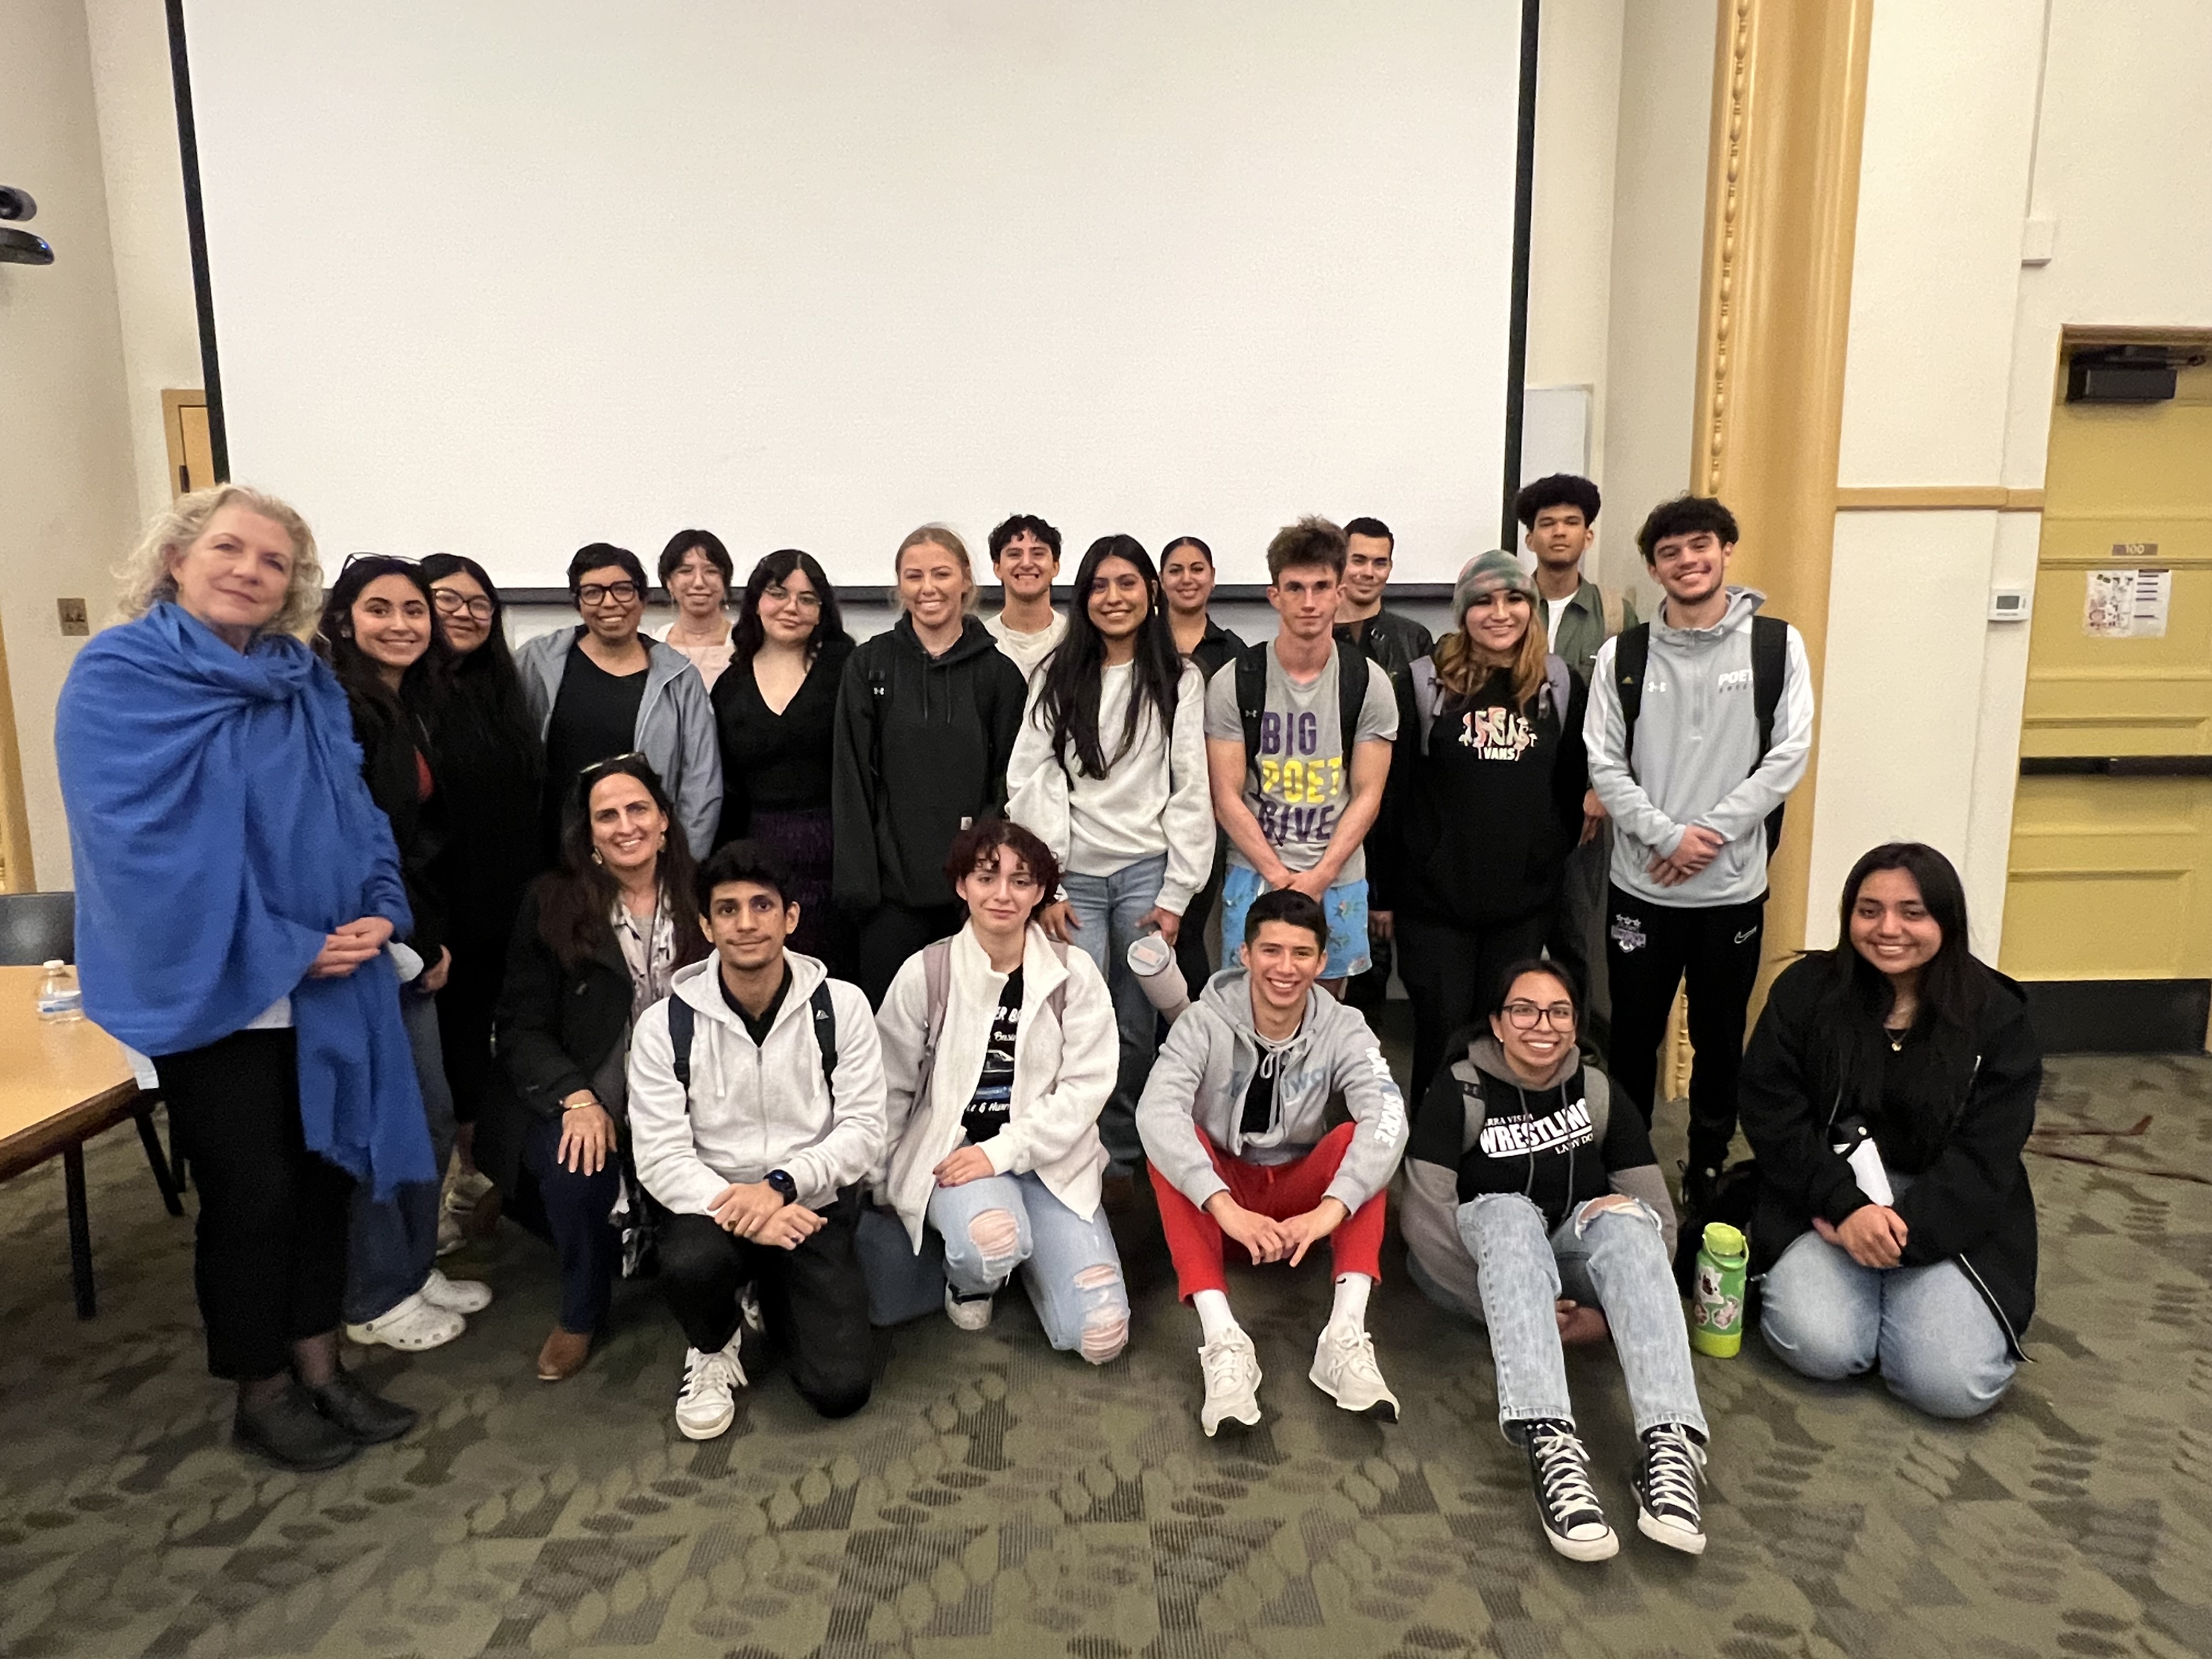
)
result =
(1154, 798)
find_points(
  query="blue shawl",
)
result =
(221, 830)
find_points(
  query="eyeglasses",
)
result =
(452, 603)
(808, 600)
(600, 592)
(1524, 1016)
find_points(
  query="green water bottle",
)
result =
(1717, 1300)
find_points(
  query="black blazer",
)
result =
(1811, 1061)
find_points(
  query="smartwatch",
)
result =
(785, 1186)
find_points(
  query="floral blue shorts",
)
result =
(1345, 906)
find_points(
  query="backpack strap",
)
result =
(1611, 608)
(1422, 674)
(1056, 1004)
(937, 991)
(1252, 704)
(1630, 656)
(825, 1036)
(1770, 666)
(1558, 687)
(682, 1019)
(1351, 697)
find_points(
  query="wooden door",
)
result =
(191, 456)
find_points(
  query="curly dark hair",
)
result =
(1556, 490)
(1684, 515)
(980, 842)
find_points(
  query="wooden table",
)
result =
(60, 1084)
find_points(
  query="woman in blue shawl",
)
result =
(236, 887)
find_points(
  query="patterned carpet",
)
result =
(997, 1499)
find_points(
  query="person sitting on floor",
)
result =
(1888, 1091)
(756, 1108)
(1533, 1203)
(999, 1054)
(1232, 1121)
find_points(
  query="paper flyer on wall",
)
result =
(2128, 604)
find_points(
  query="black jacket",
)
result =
(1818, 1057)
(1393, 641)
(1477, 831)
(491, 771)
(922, 744)
(777, 763)
(556, 1026)
(394, 763)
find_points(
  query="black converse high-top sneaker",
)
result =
(1558, 1469)
(1667, 1480)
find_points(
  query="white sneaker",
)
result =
(450, 1238)
(414, 1325)
(1231, 1369)
(972, 1315)
(707, 1404)
(748, 1311)
(461, 1296)
(1343, 1368)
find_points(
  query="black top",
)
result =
(992, 1103)
(1954, 1110)
(776, 763)
(755, 1029)
(594, 716)
(1216, 648)
(1541, 1143)
(395, 765)
(1259, 1092)
(491, 769)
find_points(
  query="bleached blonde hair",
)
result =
(936, 535)
(143, 580)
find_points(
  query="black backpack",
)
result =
(683, 1019)
(1252, 700)
(1769, 663)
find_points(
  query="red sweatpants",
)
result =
(1278, 1191)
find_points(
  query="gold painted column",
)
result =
(1781, 221)
(15, 873)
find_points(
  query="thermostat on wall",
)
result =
(2008, 605)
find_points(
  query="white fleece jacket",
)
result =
(1064, 1070)
(1152, 800)
(754, 1109)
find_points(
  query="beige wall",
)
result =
(65, 471)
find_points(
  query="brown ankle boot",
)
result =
(563, 1356)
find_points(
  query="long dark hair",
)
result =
(489, 671)
(746, 636)
(1953, 985)
(576, 901)
(427, 677)
(1067, 707)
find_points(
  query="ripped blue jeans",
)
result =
(1069, 1264)
(1615, 1260)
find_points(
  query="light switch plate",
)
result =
(76, 622)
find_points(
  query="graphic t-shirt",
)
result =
(1305, 776)
(991, 1104)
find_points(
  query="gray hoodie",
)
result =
(1697, 754)
(1206, 1064)
(675, 724)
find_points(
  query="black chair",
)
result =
(36, 928)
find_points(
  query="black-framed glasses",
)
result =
(806, 601)
(600, 592)
(1523, 1015)
(452, 602)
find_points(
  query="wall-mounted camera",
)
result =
(20, 247)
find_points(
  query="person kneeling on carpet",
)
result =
(1232, 1122)
(1534, 1204)
(756, 1109)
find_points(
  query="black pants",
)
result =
(1191, 954)
(1577, 938)
(1649, 949)
(892, 932)
(815, 1299)
(578, 1208)
(464, 1013)
(269, 1256)
(1450, 973)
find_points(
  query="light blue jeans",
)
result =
(1069, 1264)
(1107, 909)
(1615, 1260)
(391, 1245)
(1940, 1349)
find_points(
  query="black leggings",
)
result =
(465, 1012)
(269, 1258)
(891, 933)
(1451, 975)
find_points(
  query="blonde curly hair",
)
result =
(143, 581)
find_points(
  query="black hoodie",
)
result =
(921, 746)
(1953, 1111)
(1477, 830)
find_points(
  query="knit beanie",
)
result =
(1485, 574)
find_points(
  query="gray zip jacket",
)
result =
(1697, 746)
(1206, 1063)
(675, 724)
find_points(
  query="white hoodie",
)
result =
(1063, 1073)
(754, 1109)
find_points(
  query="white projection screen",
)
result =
(503, 278)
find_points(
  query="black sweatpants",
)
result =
(270, 1248)
(815, 1299)
(1652, 948)
(892, 932)
(1450, 973)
